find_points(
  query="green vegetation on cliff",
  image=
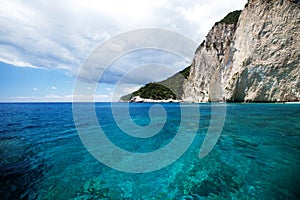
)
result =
(155, 91)
(171, 88)
(231, 18)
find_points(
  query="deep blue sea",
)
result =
(256, 157)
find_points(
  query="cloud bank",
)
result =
(61, 34)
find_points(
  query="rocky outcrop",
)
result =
(210, 58)
(256, 59)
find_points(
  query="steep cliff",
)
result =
(210, 59)
(249, 56)
(256, 59)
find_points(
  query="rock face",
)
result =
(210, 58)
(256, 59)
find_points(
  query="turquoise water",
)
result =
(256, 157)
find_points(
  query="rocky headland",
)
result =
(250, 56)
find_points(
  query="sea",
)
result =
(44, 153)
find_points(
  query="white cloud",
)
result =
(53, 88)
(138, 67)
(35, 89)
(61, 34)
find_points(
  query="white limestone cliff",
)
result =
(256, 59)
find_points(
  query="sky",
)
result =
(44, 43)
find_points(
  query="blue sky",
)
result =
(44, 43)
